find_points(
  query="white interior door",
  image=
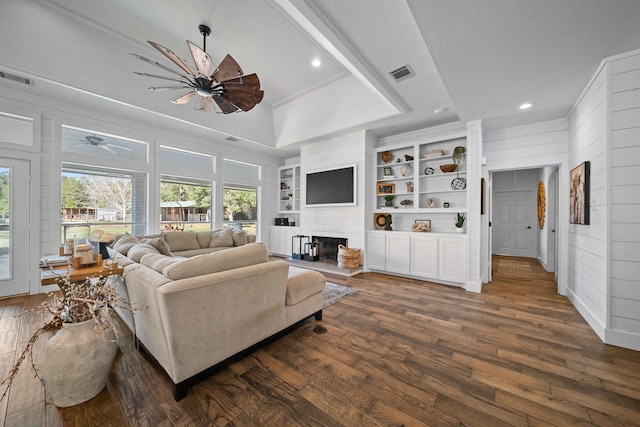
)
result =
(512, 224)
(14, 227)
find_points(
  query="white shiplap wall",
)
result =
(587, 244)
(624, 201)
(336, 221)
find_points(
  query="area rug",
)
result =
(514, 268)
(334, 293)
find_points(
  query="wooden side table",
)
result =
(49, 275)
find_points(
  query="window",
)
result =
(240, 208)
(240, 195)
(185, 204)
(110, 200)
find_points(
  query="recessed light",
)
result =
(526, 105)
(316, 63)
(440, 110)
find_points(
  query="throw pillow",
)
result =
(160, 244)
(141, 249)
(181, 240)
(239, 238)
(125, 243)
(221, 238)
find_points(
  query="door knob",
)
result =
(529, 227)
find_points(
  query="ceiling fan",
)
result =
(227, 86)
(98, 142)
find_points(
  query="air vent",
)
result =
(15, 78)
(402, 73)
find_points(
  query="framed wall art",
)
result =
(579, 181)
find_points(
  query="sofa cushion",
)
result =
(181, 240)
(229, 259)
(124, 243)
(159, 243)
(138, 251)
(221, 238)
(251, 238)
(158, 262)
(302, 284)
(240, 238)
(204, 238)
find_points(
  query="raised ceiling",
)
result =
(475, 60)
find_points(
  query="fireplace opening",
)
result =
(328, 246)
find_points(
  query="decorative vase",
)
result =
(406, 170)
(77, 361)
(459, 229)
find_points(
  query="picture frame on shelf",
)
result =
(383, 188)
(388, 172)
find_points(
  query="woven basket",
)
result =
(348, 257)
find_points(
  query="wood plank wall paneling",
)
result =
(625, 187)
(587, 268)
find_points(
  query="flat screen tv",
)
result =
(332, 187)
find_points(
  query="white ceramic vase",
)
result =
(77, 361)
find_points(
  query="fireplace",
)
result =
(328, 246)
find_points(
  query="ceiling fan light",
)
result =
(205, 93)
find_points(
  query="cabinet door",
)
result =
(375, 252)
(289, 232)
(452, 259)
(424, 256)
(277, 240)
(398, 254)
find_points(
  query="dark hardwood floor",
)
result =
(398, 352)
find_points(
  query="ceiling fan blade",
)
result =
(259, 96)
(201, 58)
(225, 105)
(169, 87)
(244, 91)
(117, 146)
(173, 57)
(173, 79)
(206, 104)
(79, 145)
(107, 149)
(228, 69)
(184, 98)
(159, 65)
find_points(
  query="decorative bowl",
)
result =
(449, 167)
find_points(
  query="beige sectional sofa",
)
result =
(193, 313)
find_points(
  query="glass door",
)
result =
(14, 227)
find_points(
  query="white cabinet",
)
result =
(376, 252)
(280, 239)
(432, 256)
(398, 254)
(289, 192)
(452, 259)
(424, 256)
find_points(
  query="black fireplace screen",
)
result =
(328, 246)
